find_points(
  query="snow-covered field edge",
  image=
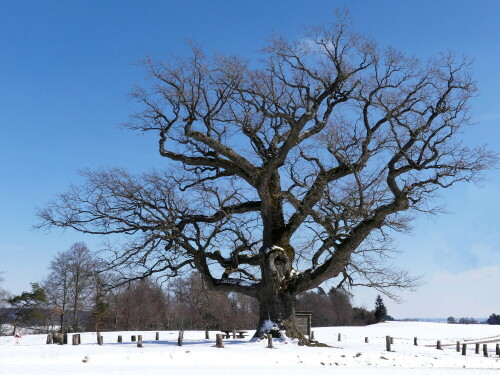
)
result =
(351, 355)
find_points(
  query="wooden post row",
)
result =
(388, 343)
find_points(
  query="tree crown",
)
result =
(292, 169)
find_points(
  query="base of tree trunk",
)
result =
(285, 330)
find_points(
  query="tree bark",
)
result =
(276, 313)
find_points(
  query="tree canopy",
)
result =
(284, 172)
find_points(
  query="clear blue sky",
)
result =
(66, 68)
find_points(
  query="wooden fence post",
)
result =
(415, 341)
(477, 348)
(207, 335)
(388, 343)
(270, 341)
(181, 337)
(485, 350)
(100, 339)
(366, 340)
(132, 338)
(458, 346)
(464, 349)
(438, 346)
(219, 340)
(497, 349)
(312, 335)
(49, 339)
(65, 338)
(339, 337)
(392, 340)
(120, 339)
(74, 340)
(157, 336)
(139, 341)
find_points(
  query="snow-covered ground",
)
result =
(199, 356)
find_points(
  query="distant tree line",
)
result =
(333, 309)
(452, 320)
(467, 321)
(75, 297)
(494, 319)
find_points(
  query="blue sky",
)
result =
(66, 68)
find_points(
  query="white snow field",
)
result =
(199, 356)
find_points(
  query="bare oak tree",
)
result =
(286, 172)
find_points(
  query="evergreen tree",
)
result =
(380, 309)
(27, 305)
(494, 319)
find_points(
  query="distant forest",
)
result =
(185, 305)
(74, 296)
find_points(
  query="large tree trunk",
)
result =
(276, 313)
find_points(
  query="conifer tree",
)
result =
(380, 309)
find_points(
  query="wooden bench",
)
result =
(237, 334)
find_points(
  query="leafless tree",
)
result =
(285, 172)
(138, 305)
(69, 285)
(57, 287)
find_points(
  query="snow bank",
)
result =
(199, 356)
